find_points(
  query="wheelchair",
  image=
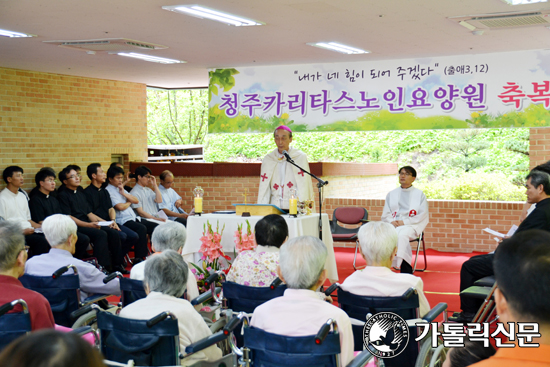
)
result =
(63, 294)
(13, 325)
(361, 308)
(484, 289)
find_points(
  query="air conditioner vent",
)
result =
(504, 20)
(112, 45)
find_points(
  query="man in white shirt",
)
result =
(406, 208)
(378, 242)
(147, 207)
(14, 207)
(168, 236)
(60, 231)
(299, 312)
(171, 201)
(278, 177)
(165, 282)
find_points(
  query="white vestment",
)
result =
(411, 206)
(278, 177)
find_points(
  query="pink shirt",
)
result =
(299, 312)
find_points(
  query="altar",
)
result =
(303, 225)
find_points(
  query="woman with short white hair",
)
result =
(300, 312)
(165, 282)
(378, 241)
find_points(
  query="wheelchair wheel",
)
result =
(430, 356)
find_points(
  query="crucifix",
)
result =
(245, 213)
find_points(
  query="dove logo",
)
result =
(386, 334)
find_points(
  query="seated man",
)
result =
(406, 208)
(168, 236)
(14, 207)
(378, 242)
(107, 248)
(165, 281)
(522, 271)
(126, 177)
(299, 312)
(258, 267)
(477, 267)
(171, 201)
(125, 216)
(147, 207)
(12, 265)
(60, 231)
(43, 204)
(101, 205)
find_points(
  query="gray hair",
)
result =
(12, 242)
(540, 178)
(302, 260)
(169, 236)
(378, 240)
(166, 273)
(58, 228)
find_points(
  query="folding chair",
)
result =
(63, 293)
(13, 325)
(347, 215)
(420, 240)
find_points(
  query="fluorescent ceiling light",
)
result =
(161, 60)
(6, 33)
(523, 2)
(202, 12)
(338, 47)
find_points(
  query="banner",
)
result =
(469, 91)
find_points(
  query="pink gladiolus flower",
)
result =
(194, 271)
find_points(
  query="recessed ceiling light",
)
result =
(7, 33)
(161, 60)
(523, 2)
(338, 47)
(202, 12)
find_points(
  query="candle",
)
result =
(293, 206)
(198, 204)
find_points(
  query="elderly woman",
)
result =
(258, 267)
(378, 242)
(165, 281)
(299, 312)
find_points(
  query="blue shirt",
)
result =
(169, 198)
(117, 198)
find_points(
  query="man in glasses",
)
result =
(406, 208)
(107, 248)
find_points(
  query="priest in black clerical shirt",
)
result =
(43, 204)
(106, 241)
(101, 205)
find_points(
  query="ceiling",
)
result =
(390, 29)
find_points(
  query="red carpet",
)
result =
(441, 279)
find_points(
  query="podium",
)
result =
(258, 209)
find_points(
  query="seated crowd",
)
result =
(72, 212)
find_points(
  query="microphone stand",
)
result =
(320, 184)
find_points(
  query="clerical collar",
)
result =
(406, 188)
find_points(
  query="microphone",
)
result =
(285, 153)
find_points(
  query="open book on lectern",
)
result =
(258, 209)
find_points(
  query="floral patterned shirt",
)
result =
(255, 268)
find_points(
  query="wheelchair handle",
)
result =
(7, 307)
(212, 278)
(83, 310)
(408, 293)
(62, 270)
(160, 317)
(323, 332)
(231, 325)
(275, 283)
(112, 276)
(331, 289)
